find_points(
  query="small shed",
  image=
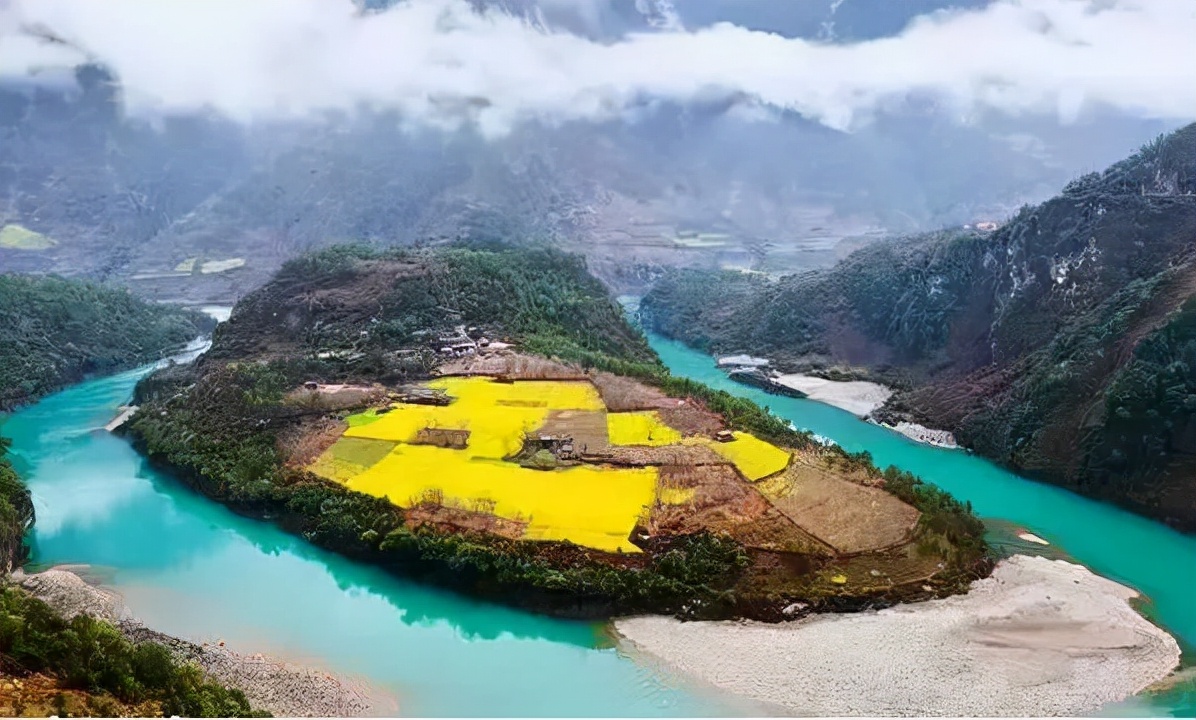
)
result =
(724, 436)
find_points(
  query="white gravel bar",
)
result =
(858, 397)
(1039, 637)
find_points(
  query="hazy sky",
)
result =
(438, 61)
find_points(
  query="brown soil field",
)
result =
(621, 394)
(301, 444)
(332, 398)
(511, 364)
(900, 565)
(691, 419)
(586, 427)
(723, 501)
(662, 455)
(847, 516)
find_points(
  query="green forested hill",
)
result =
(1060, 344)
(54, 331)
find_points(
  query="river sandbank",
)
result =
(858, 397)
(1039, 637)
(284, 689)
(862, 398)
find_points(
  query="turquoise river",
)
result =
(188, 567)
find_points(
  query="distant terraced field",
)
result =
(16, 237)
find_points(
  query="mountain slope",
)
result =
(1061, 343)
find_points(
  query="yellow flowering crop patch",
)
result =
(496, 414)
(755, 458)
(640, 428)
(676, 496)
(349, 457)
(591, 506)
(16, 237)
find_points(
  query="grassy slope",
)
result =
(1059, 344)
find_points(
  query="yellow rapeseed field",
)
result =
(755, 458)
(16, 237)
(640, 428)
(349, 457)
(496, 414)
(592, 506)
(676, 496)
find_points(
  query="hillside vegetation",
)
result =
(319, 407)
(55, 331)
(1060, 344)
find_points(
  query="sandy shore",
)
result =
(1040, 637)
(284, 689)
(857, 397)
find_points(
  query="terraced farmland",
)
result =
(472, 455)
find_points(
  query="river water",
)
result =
(188, 567)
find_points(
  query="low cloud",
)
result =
(441, 62)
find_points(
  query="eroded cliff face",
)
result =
(1060, 343)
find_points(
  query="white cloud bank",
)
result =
(438, 61)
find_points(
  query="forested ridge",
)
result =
(54, 331)
(1059, 344)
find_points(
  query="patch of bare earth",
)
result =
(39, 695)
(622, 394)
(334, 398)
(645, 455)
(720, 500)
(849, 517)
(586, 427)
(301, 444)
(453, 519)
(516, 366)
(691, 418)
(902, 565)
